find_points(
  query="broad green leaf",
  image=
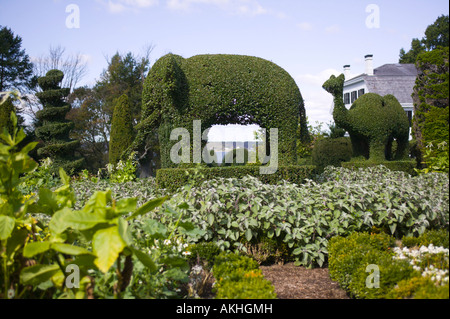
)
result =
(58, 223)
(248, 235)
(98, 203)
(148, 206)
(35, 248)
(124, 231)
(37, 274)
(70, 249)
(107, 244)
(47, 202)
(126, 205)
(144, 259)
(82, 220)
(64, 178)
(6, 226)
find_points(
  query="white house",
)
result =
(396, 79)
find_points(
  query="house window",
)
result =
(347, 98)
(410, 116)
(354, 96)
(360, 92)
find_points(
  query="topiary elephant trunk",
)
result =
(373, 122)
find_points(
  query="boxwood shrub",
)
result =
(350, 257)
(239, 277)
(173, 178)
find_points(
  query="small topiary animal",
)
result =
(373, 122)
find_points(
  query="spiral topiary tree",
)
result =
(55, 129)
(122, 134)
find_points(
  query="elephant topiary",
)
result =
(373, 122)
(219, 89)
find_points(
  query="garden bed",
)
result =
(292, 282)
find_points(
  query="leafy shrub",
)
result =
(403, 273)
(232, 211)
(346, 254)
(122, 133)
(400, 166)
(172, 179)
(238, 277)
(439, 237)
(331, 151)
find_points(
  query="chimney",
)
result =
(347, 71)
(369, 64)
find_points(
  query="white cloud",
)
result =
(117, 6)
(240, 7)
(305, 26)
(333, 29)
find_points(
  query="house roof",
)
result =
(396, 79)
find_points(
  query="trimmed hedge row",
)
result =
(173, 178)
(400, 166)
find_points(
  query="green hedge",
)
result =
(239, 277)
(332, 151)
(353, 260)
(220, 89)
(173, 178)
(402, 166)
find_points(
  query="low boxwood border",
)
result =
(173, 178)
(407, 166)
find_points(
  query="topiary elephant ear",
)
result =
(51, 81)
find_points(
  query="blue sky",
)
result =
(309, 39)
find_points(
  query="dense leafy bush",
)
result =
(122, 133)
(407, 166)
(220, 89)
(55, 129)
(431, 98)
(332, 151)
(304, 217)
(401, 273)
(172, 179)
(239, 277)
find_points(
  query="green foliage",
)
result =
(54, 132)
(123, 171)
(373, 122)
(436, 159)
(238, 277)
(437, 237)
(219, 89)
(419, 274)
(122, 133)
(398, 166)
(436, 35)
(235, 211)
(5, 115)
(16, 68)
(331, 151)
(431, 98)
(174, 178)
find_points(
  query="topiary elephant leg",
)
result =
(402, 149)
(377, 150)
